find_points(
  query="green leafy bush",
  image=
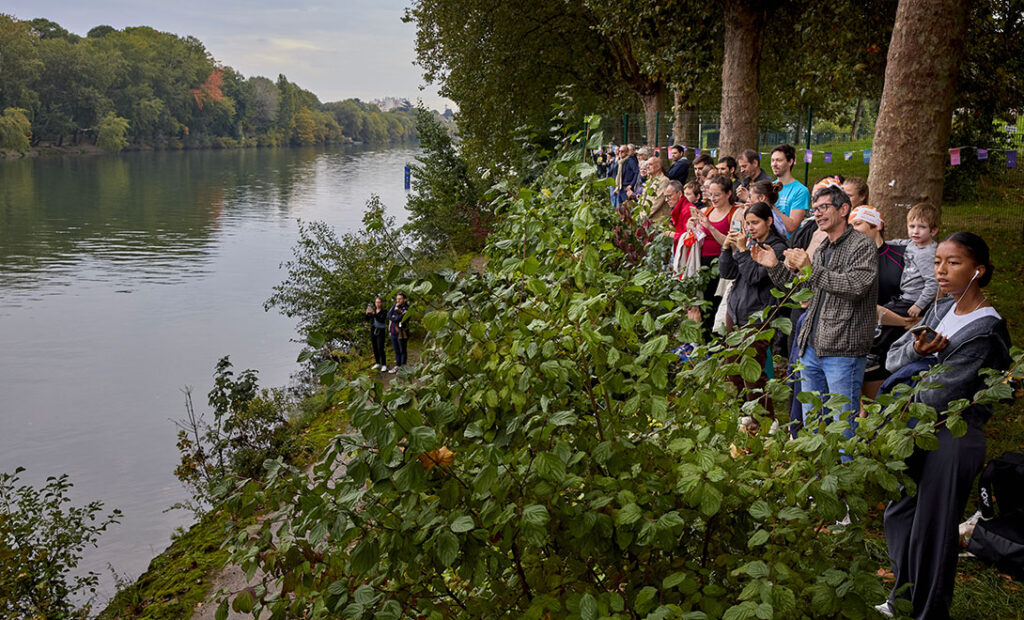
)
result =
(446, 208)
(42, 539)
(113, 133)
(331, 280)
(249, 426)
(15, 130)
(553, 458)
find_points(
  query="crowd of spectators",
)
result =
(880, 312)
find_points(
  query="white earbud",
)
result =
(977, 272)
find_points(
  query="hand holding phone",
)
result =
(927, 341)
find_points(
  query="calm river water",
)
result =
(124, 279)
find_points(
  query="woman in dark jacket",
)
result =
(399, 332)
(751, 291)
(967, 335)
(377, 317)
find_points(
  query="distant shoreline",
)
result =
(80, 150)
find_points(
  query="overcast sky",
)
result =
(338, 49)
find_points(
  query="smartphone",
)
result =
(918, 329)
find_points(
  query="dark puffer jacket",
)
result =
(751, 292)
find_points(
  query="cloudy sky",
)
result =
(336, 48)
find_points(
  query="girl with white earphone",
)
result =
(921, 531)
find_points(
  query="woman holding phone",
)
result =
(377, 317)
(965, 334)
(751, 291)
(716, 222)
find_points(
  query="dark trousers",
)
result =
(400, 345)
(708, 313)
(922, 531)
(380, 355)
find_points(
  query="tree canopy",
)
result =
(170, 92)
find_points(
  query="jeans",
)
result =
(400, 345)
(835, 375)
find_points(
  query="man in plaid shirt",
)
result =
(840, 321)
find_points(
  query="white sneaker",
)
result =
(374, 367)
(885, 609)
(394, 370)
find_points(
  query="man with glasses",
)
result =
(839, 325)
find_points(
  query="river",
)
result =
(124, 279)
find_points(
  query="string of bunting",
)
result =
(955, 154)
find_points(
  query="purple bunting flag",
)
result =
(1011, 159)
(982, 153)
(867, 156)
(828, 157)
(954, 157)
(696, 152)
(808, 156)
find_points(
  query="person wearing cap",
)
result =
(890, 326)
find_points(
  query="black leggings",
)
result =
(379, 351)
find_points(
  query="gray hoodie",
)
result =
(983, 343)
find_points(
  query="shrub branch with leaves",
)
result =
(554, 459)
(42, 539)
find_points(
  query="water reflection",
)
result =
(124, 279)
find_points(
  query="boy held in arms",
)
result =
(918, 286)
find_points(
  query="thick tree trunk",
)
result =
(741, 68)
(685, 122)
(916, 111)
(653, 100)
(858, 116)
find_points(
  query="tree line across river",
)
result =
(145, 88)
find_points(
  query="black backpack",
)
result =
(999, 539)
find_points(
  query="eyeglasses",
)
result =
(822, 207)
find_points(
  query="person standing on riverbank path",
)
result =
(398, 330)
(377, 317)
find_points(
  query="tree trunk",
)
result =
(741, 68)
(685, 122)
(653, 100)
(916, 110)
(858, 115)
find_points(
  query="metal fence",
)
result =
(984, 192)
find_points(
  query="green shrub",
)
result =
(553, 457)
(42, 539)
(113, 133)
(331, 280)
(446, 208)
(15, 130)
(249, 426)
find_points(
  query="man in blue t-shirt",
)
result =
(794, 199)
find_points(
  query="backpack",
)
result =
(999, 540)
